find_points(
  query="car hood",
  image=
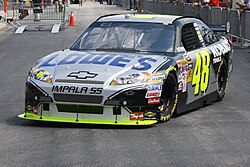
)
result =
(98, 66)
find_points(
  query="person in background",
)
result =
(59, 6)
(205, 2)
(109, 2)
(46, 3)
(131, 5)
(234, 5)
(36, 3)
(138, 5)
(215, 3)
(67, 2)
(196, 2)
(243, 4)
(118, 2)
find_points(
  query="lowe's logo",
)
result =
(82, 75)
(139, 63)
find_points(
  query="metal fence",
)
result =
(234, 19)
(239, 22)
(36, 11)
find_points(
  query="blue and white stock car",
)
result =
(130, 70)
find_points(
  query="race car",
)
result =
(132, 69)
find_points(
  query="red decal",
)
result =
(154, 101)
(137, 116)
(179, 63)
(153, 94)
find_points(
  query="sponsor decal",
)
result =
(189, 75)
(82, 75)
(184, 61)
(152, 94)
(142, 63)
(190, 68)
(136, 116)
(198, 73)
(154, 87)
(183, 69)
(180, 86)
(150, 115)
(184, 86)
(76, 90)
(154, 100)
(218, 50)
(188, 59)
(186, 72)
(183, 82)
(183, 75)
(150, 82)
(180, 49)
(198, 32)
(179, 63)
(156, 79)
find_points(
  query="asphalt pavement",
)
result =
(217, 135)
(3, 26)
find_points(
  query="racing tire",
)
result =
(222, 80)
(168, 99)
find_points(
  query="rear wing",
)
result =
(220, 28)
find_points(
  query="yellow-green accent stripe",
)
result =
(34, 117)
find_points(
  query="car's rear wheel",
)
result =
(168, 99)
(222, 79)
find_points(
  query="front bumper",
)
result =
(42, 106)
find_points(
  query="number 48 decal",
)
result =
(201, 71)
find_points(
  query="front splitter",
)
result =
(30, 116)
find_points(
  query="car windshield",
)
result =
(127, 37)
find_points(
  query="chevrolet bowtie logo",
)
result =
(82, 75)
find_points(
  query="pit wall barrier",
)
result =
(245, 18)
(239, 22)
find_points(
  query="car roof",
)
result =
(150, 18)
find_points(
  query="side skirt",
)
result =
(208, 99)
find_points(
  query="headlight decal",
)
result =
(131, 79)
(41, 75)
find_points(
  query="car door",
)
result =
(200, 76)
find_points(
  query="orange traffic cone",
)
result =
(71, 20)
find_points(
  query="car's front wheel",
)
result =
(168, 99)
